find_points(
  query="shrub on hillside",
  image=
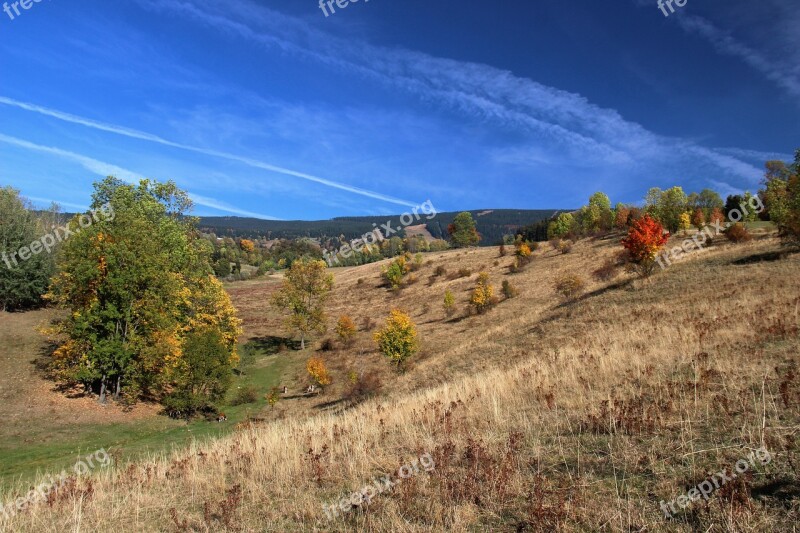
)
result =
(363, 387)
(565, 246)
(318, 371)
(738, 233)
(345, 330)
(482, 298)
(646, 238)
(418, 261)
(570, 286)
(509, 291)
(607, 271)
(367, 324)
(461, 273)
(327, 346)
(397, 269)
(398, 340)
(449, 302)
(440, 271)
(245, 395)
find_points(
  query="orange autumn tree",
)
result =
(318, 371)
(699, 219)
(247, 245)
(646, 238)
(345, 329)
(716, 216)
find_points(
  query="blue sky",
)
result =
(271, 109)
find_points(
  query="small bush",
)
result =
(565, 246)
(483, 295)
(398, 339)
(367, 324)
(509, 291)
(362, 387)
(327, 346)
(440, 271)
(608, 271)
(418, 261)
(570, 286)
(345, 330)
(273, 397)
(318, 371)
(245, 395)
(449, 302)
(462, 273)
(360, 281)
(397, 269)
(502, 250)
(738, 233)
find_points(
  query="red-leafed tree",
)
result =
(646, 238)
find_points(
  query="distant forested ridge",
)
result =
(493, 224)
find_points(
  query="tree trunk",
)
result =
(103, 390)
(116, 393)
(302, 342)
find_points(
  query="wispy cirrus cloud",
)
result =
(565, 125)
(144, 136)
(783, 72)
(103, 169)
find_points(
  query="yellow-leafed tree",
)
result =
(398, 339)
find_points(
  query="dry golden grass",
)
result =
(540, 415)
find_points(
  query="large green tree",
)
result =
(667, 206)
(137, 286)
(304, 292)
(563, 225)
(707, 200)
(24, 275)
(463, 231)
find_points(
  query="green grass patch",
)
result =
(37, 450)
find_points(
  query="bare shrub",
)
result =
(738, 233)
(570, 286)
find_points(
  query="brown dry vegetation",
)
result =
(540, 415)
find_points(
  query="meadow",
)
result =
(541, 414)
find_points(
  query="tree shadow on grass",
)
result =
(272, 345)
(763, 257)
(598, 292)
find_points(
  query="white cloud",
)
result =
(564, 124)
(136, 134)
(106, 169)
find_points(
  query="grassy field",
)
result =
(48, 429)
(540, 415)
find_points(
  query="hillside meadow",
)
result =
(542, 414)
